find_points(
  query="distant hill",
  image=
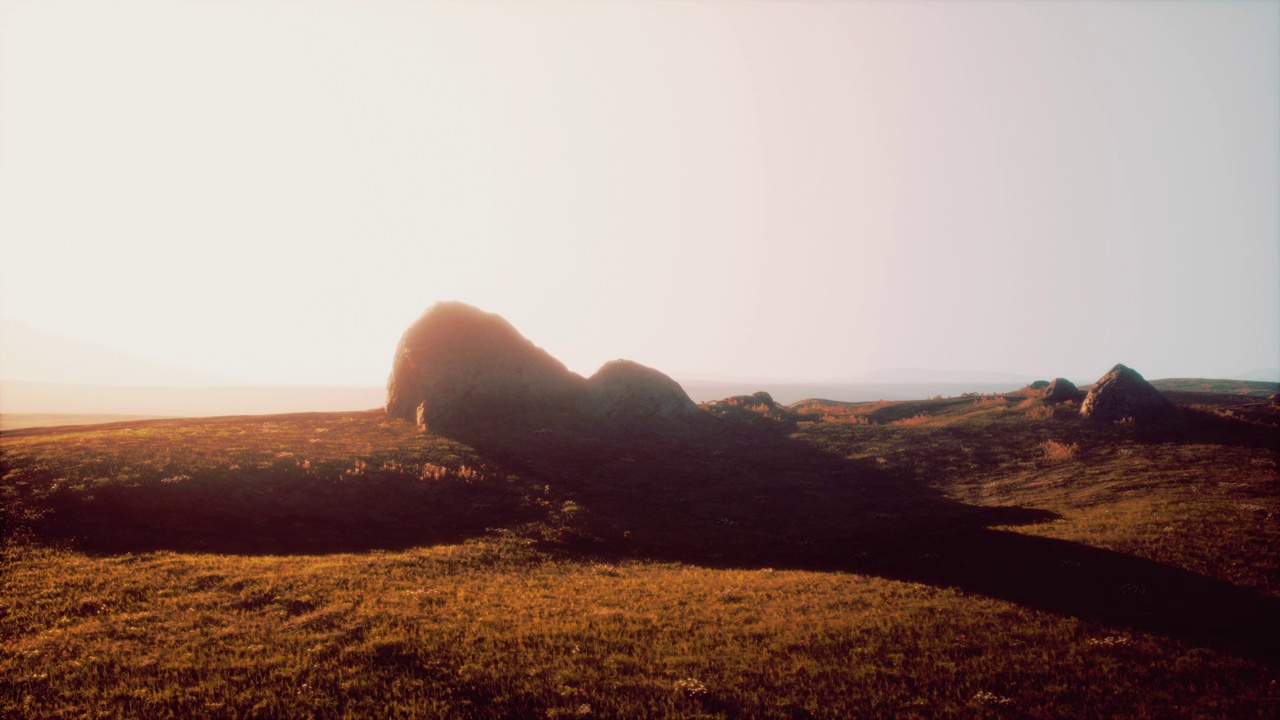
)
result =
(787, 393)
(1251, 388)
(887, 384)
(29, 354)
(44, 375)
(19, 397)
(790, 392)
(18, 421)
(1271, 375)
(924, 376)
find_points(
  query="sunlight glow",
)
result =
(272, 192)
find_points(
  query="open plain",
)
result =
(983, 556)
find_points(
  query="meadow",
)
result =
(984, 556)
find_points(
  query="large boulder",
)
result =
(1123, 393)
(458, 366)
(1062, 390)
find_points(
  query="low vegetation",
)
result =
(974, 557)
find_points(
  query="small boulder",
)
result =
(1062, 390)
(626, 390)
(1123, 393)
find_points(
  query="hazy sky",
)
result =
(272, 192)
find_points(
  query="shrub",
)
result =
(846, 418)
(1057, 451)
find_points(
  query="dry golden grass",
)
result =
(993, 399)
(1039, 411)
(343, 566)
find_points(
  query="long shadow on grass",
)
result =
(740, 492)
(320, 509)
(736, 490)
(1199, 426)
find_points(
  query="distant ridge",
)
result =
(20, 397)
(1229, 387)
(1271, 375)
(885, 384)
(29, 354)
(922, 376)
(786, 393)
(17, 421)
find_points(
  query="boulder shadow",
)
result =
(737, 492)
(296, 511)
(1247, 425)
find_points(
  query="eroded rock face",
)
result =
(458, 366)
(1123, 393)
(1062, 390)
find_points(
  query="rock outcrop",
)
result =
(1123, 393)
(1062, 390)
(458, 366)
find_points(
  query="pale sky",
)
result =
(272, 192)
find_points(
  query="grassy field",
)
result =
(972, 557)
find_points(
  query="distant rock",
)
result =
(1062, 390)
(753, 408)
(1123, 393)
(1039, 385)
(760, 399)
(459, 366)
